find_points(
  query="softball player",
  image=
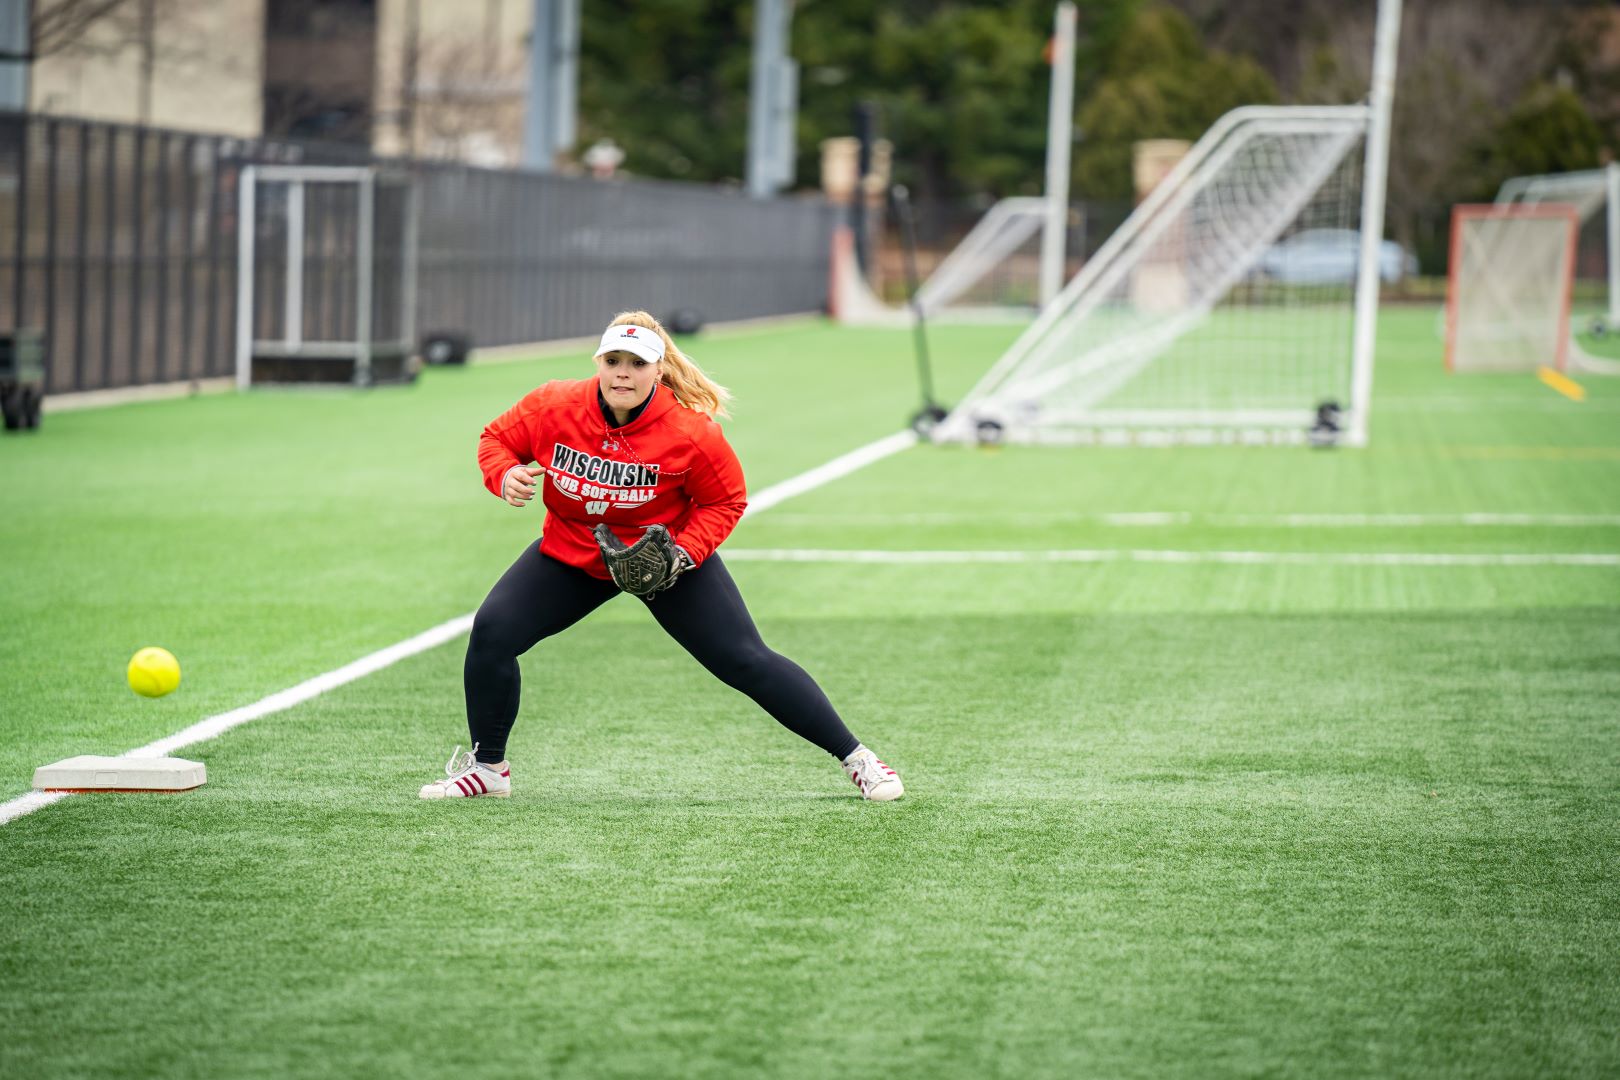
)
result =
(640, 487)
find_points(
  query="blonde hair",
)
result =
(691, 387)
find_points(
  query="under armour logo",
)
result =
(610, 444)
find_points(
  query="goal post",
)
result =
(1509, 287)
(326, 275)
(1237, 304)
(1591, 192)
(1192, 320)
(995, 252)
(1013, 259)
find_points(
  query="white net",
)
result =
(1588, 193)
(1222, 309)
(1507, 305)
(991, 275)
(1595, 293)
(996, 265)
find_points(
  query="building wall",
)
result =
(208, 73)
(471, 72)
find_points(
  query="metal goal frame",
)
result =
(357, 352)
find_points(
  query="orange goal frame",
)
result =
(1466, 211)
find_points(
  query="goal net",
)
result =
(1590, 193)
(1595, 294)
(1508, 297)
(991, 275)
(1221, 311)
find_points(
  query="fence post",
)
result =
(19, 287)
(188, 262)
(81, 271)
(49, 328)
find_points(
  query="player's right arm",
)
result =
(505, 449)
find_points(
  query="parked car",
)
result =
(1329, 257)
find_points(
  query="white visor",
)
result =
(633, 339)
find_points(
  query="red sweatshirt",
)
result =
(669, 466)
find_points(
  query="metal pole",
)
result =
(908, 234)
(412, 232)
(137, 272)
(52, 382)
(1611, 176)
(81, 261)
(19, 281)
(109, 241)
(784, 125)
(362, 316)
(865, 135)
(14, 42)
(213, 303)
(188, 246)
(247, 180)
(1381, 101)
(565, 74)
(765, 84)
(293, 331)
(539, 134)
(161, 256)
(1059, 138)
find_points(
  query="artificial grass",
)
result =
(1161, 820)
(1132, 845)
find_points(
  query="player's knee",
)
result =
(746, 666)
(492, 636)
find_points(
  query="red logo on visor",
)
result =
(631, 332)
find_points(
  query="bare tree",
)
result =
(59, 24)
(468, 99)
(1462, 65)
(104, 28)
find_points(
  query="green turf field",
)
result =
(1314, 817)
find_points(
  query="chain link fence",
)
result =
(119, 244)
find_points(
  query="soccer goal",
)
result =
(1236, 305)
(1012, 260)
(1594, 194)
(991, 275)
(1508, 296)
(1193, 322)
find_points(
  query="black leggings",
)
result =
(539, 596)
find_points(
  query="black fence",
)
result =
(120, 245)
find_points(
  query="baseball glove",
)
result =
(646, 567)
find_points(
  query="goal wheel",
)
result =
(927, 420)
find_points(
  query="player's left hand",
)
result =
(646, 567)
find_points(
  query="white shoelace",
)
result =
(871, 770)
(459, 763)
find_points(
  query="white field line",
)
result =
(438, 635)
(1152, 519)
(825, 474)
(283, 699)
(1490, 404)
(1109, 555)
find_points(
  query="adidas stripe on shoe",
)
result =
(877, 782)
(468, 778)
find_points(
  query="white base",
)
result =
(91, 773)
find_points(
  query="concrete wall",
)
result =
(471, 61)
(208, 73)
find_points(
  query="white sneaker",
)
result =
(467, 778)
(877, 781)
